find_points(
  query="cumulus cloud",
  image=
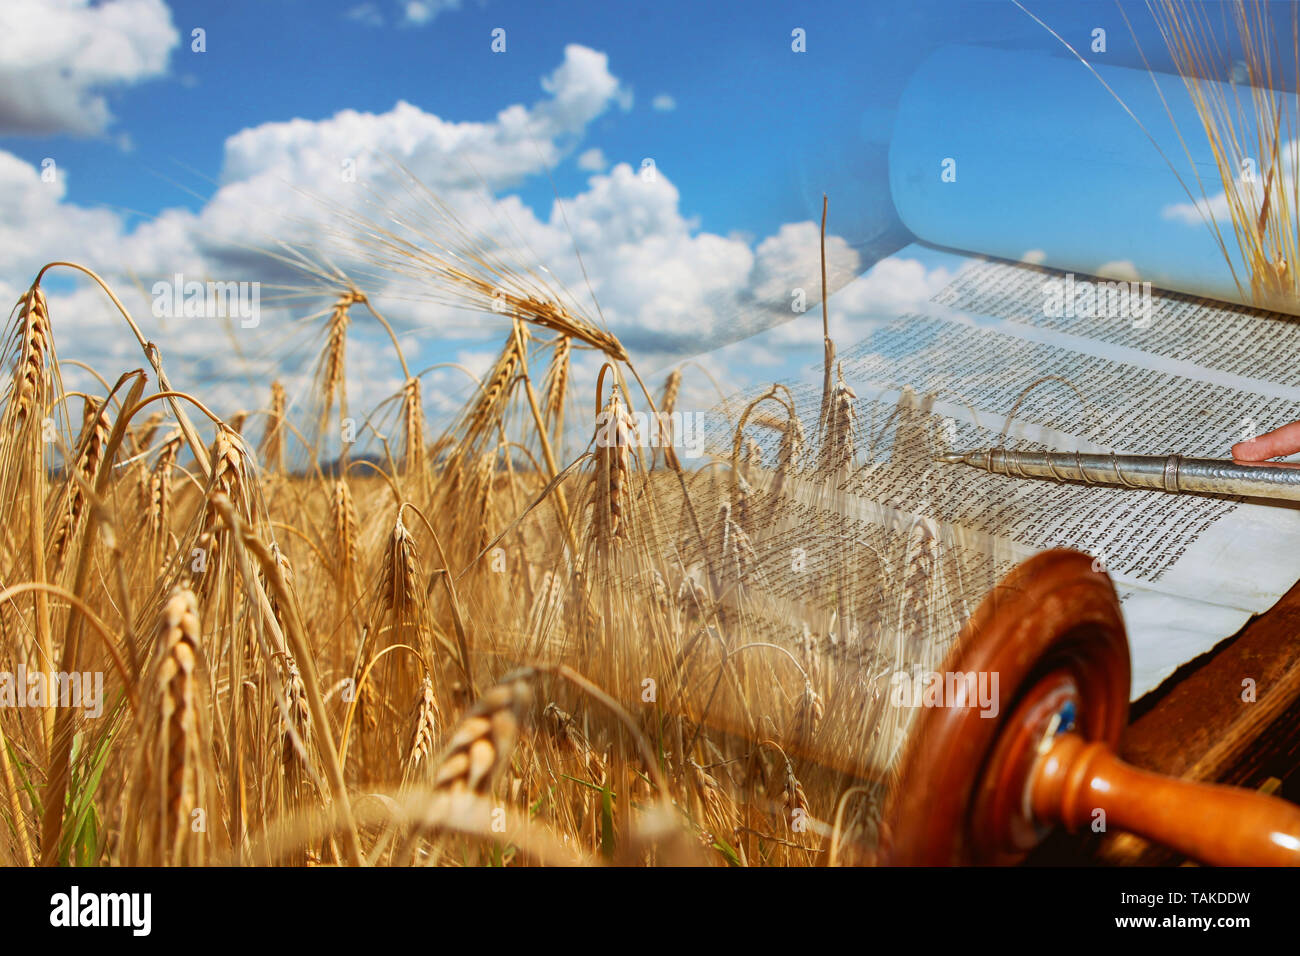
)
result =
(420, 12)
(593, 161)
(1213, 209)
(665, 287)
(663, 103)
(892, 287)
(1247, 189)
(279, 182)
(1121, 269)
(789, 265)
(35, 223)
(442, 154)
(59, 55)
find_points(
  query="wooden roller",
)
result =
(985, 790)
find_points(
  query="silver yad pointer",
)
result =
(1172, 473)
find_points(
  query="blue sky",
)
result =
(170, 159)
(742, 142)
(756, 134)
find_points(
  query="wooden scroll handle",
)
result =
(1223, 826)
(977, 789)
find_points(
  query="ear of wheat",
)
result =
(178, 732)
(141, 438)
(68, 519)
(495, 390)
(839, 440)
(160, 490)
(343, 514)
(402, 593)
(668, 405)
(295, 731)
(425, 729)
(272, 448)
(334, 364)
(31, 378)
(556, 387)
(228, 481)
(230, 682)
(481, 744)
(413, 428)
(23, 476)
(614, 437)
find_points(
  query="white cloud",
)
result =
(367, 14)
(421, 12)
(479, 361)
(593, 161)
(664, 286)
(58, 55)
(409, 13)
(35, 224)
(1035, 257)
(583, 84)
(892, 287)
(277, 180)
(663, 103)
(1121, 269)
(1247, 188)
(445, 156)
(791, 260)
(1214, 209)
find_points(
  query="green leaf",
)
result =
(541, 801)
(25, 781)
(587, 783)
(723, 847)
(81, 808)
(607, 823)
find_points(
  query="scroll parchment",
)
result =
(1190, 570)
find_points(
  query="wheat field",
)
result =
(460, 649)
